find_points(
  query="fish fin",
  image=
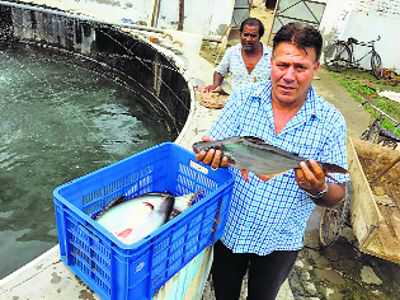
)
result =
(332, 168)
(173, 214)
(185, 204)
(149, 205)
(254, 139)
(205, 146)
(124, 233)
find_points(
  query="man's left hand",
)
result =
(310, 177)
(245, 175)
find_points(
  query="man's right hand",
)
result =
(210, 88)
(212, 157)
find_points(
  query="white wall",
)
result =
(367, 27)
(204, 17)
(365, 20)
(335, 18)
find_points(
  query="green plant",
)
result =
(362, 86)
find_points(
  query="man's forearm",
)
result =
(217, 79)
(335, 194)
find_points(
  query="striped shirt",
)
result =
(233, 63)
(272, 215)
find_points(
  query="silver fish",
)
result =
(133, 220)
(252, 153)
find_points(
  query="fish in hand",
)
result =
(252, 153)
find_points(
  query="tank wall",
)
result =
(109, 51)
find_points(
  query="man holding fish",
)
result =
(275, 124)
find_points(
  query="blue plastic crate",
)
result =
(118, 271)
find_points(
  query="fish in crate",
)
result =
(133, 219)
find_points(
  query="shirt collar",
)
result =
(266, 50)
(310, 109)
(261, 94)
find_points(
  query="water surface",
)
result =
(57, 122)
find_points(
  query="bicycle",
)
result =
(340, 56)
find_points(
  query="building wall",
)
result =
(365, 27)
(335, 19)
(380, 7)
(206, 17)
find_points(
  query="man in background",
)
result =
(247, 62)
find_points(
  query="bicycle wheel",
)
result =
(337, 57)
(365, 135)
(371, 133)
(376, 64)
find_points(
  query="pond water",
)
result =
(57, 122)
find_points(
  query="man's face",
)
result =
(249, 38)
(292, 71)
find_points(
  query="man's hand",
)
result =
(310, 177)
(212, 157)
(210, 88)
(245, 175)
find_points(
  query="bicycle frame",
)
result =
(340, 55)
(351, 42)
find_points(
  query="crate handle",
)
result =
(198, 167)
(83, 229)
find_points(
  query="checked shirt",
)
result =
(271, 216)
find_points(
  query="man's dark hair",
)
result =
(253, 22)
(301, 35)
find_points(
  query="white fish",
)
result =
(133, 220)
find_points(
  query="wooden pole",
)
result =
(181, 14)
(155, 13)
(274, 19)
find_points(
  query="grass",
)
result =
(362, 87)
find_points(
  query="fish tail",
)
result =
(183, 202)
(332, 168)
(170, 208)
